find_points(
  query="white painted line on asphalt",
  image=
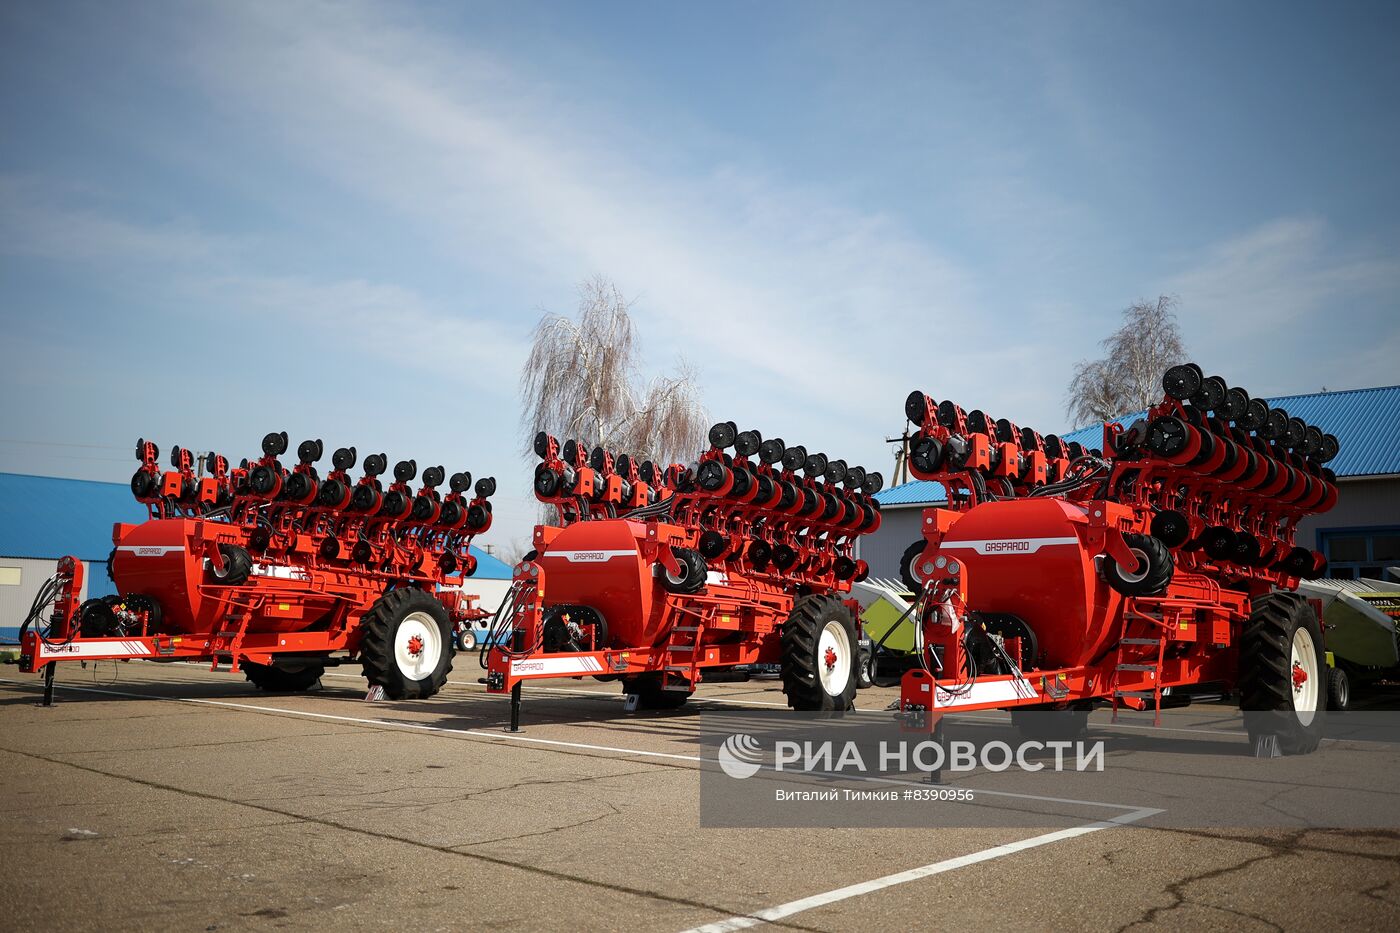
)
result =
(580, 691)
(770, 914)
(514, 737)
(418, 726)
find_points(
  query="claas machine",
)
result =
(664, 576)
(1057, 578)
(278, 571)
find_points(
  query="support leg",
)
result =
(515, 707)
(48, 682)
(940, 739)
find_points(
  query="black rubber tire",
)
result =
(377, 630)
(906, 565)
(111, 556)
(238, 566)
(274, 679)
(95, 619)
(650, 694)
(1160, 567)
(865, 669)
(1047, 724)
(800, 640)
(1266, 676)
(1338, 690)
(693, 572)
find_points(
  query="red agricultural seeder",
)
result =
(1162, 565)
(278, 572)
(661, 577)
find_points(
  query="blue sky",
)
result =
(343, 221)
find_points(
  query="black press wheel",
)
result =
(238, 566)
(693, 572)
(652, 694)
(906, 565)
(1152, 573)
(1338, 690)
(820, 655)
(406, 644)
(289, 678)
(1283, 673)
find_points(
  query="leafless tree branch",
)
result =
(581, 381)
(1128, 377)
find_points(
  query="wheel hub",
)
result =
(829, 658)
(415, 646)
(1300, 677)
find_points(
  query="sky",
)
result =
(344, 220)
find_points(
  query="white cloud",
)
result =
(1286, 308)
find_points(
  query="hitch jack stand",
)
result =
(515, 707)
(940, 739)
(48, 683)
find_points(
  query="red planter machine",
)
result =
(1058, 577)
(664, 577)
(278, 572)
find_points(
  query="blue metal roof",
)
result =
(1365, 421)
(46, 517)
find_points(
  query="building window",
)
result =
(1364, 554)
(10, 576)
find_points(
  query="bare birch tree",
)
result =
(582, 381)
(1129, 376)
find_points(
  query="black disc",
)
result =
(1171, 528)
(1182, 382)
(1211, 395)
(1275, 426)
(722, 435)
(926, 455)
(1236, 403)
(1256, 415)
(915, 407)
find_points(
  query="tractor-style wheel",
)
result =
(406, 644)
(238, 566)
(906, 565)
(1338, 690)
(692, 576)
(1283, 673)
(652, 695)
(1152, 573)
(820, 654)
(291, 678)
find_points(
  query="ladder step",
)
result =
(682, 647)
(678, 668)
(1138, 694)
(675, 688)
(685, 628)
(1142, 641)
(1137, 667)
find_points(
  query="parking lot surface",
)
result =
(171, 797)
